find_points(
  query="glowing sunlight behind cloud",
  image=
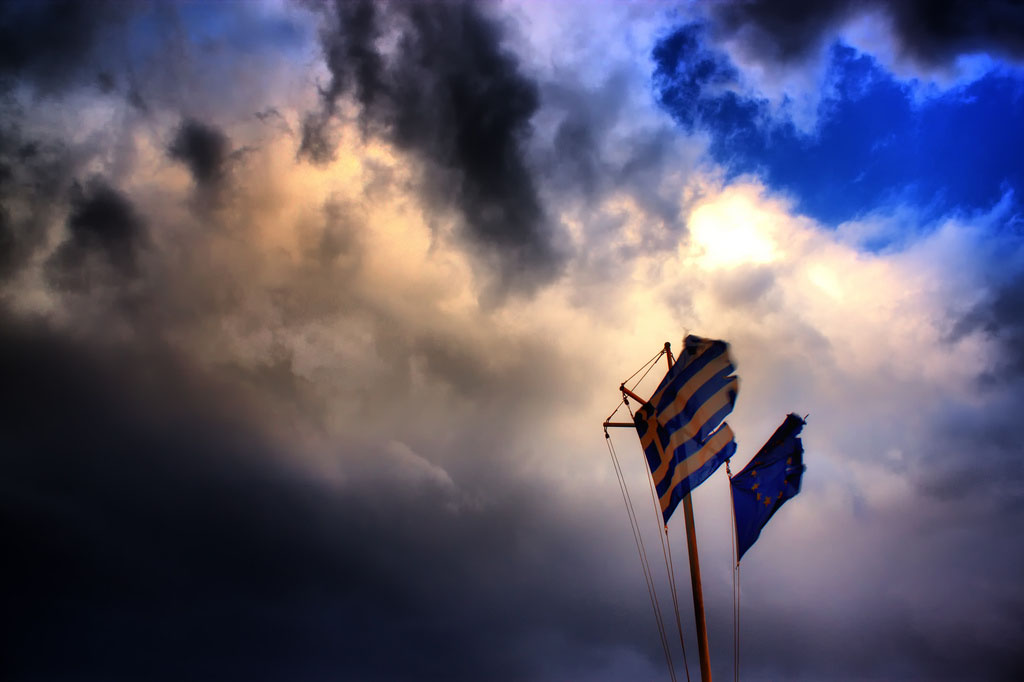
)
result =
(729, 230)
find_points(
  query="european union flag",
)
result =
(771, 478)
(678, 426)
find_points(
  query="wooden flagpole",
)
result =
(698, 592)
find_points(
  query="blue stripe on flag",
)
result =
(696, 478)
(684, 370)
(687, 412)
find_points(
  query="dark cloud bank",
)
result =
(930, 32)
(152, 534)
(158, 524)
(157, 529)
(31, 172)
(53, 42)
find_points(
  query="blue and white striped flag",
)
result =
(679, 426)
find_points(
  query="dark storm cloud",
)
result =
(103, 225)
(994, 432)
(1001, 317)
(450, 93)
(937, 32)
(204, 149)
(783, 31)
(36, 173)
(51, 42)
(931, 32)
(154, 530)
(351, 54)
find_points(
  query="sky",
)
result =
(310, 314)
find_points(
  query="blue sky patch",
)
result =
(874, 145)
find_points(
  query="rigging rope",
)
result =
(666, 546)
(609, 417)
(649, 362)
(675, 603)
(666, 552)
(642, 554)
(737, 662)
(735, 586)
(654, 361)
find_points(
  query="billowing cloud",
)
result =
(452, 94)
(52, 42)
(103, 225)
(933, 33)
(154, 533)
(32, 172)
(203, 149)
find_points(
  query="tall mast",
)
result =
(698, 593)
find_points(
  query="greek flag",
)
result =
(679, 426)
